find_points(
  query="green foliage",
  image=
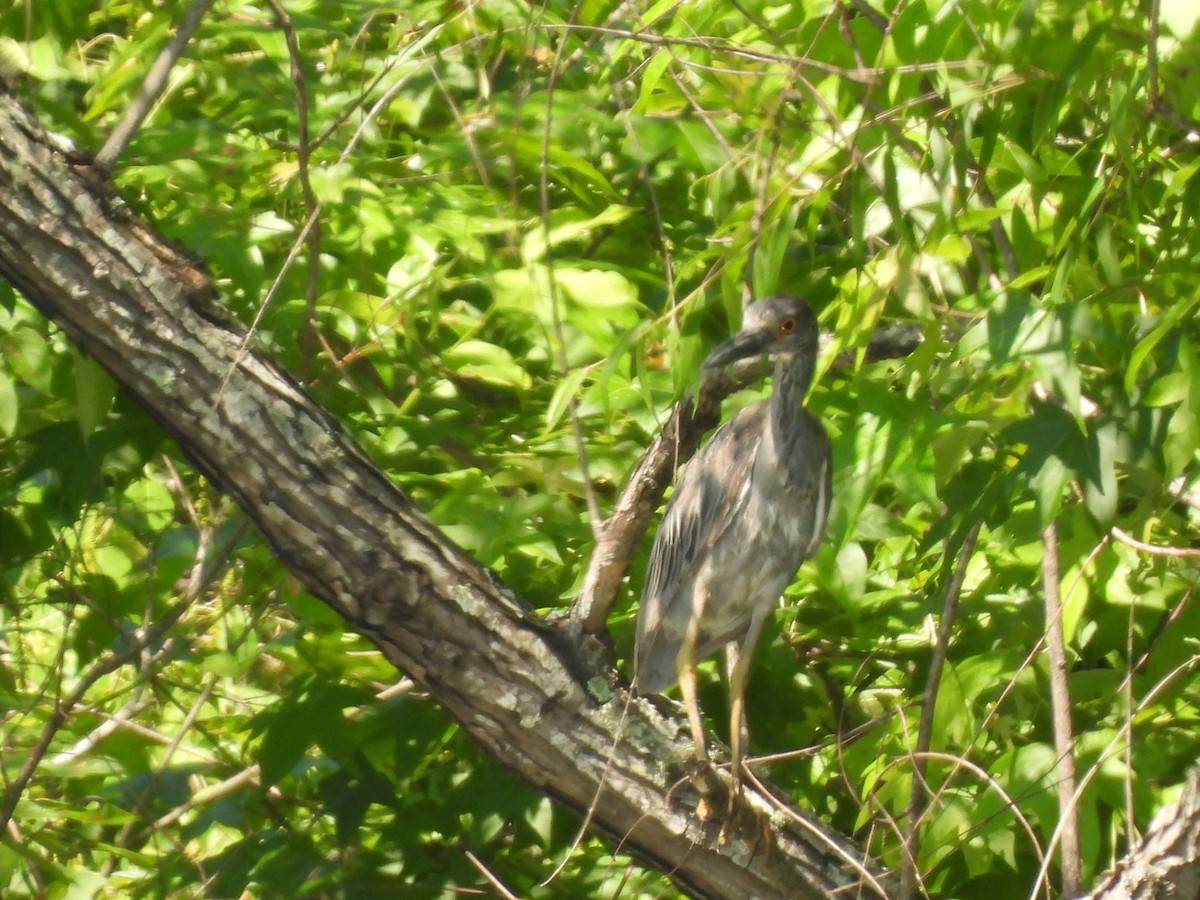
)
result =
(531, 216)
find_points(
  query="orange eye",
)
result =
(787, 325)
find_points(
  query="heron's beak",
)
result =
(740, 346)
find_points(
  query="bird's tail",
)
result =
(654, 667)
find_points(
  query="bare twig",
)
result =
(560, 341)
(128, 837)
(762, 202)
(1154, 549)
(909, 871)
(780, 808)
(246, 777)
(244, 347)
(491, 877)
(147, 794)
(310, 335)
(1125, 692)
(1152, 56)
(646, 181)
(92, 739)
(741, 51)
(152, 87)
(1060, 702)
(1011, 804)
(1185, 668)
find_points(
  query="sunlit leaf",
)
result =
(8, 405)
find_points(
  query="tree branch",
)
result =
(1167, 861)
(910, 873)
(152, 87)
(1060, 703)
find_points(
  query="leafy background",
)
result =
(531, 224)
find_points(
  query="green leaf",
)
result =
(94, 393)
(535, 243)
(772, 249)
(1172, 388)
(1166, 324)
(1100, 490)
(8, 405)
(486, 362)
(286, 739)
(652, 74)
(588, 182)
(564, 392)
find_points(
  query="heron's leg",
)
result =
(737, 660)
(685, 668)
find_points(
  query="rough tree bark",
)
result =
(1167, 861)
(540, 699)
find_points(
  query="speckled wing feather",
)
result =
(709, 496)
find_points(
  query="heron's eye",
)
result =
(787, 325)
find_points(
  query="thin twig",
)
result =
(63, 709)
(909, 870)
(150, 790)
(1010, 803)
(1155, 549)
(92, 739)
(586, 824)
(152, 87)
(1105, 754)
(741, 51)
(491, 878)
(244, 347)
(246, 777)
(857, 865)
(645, 179)
(761, 204)
(1060, 703)
(1125, 691)
(1152, 56)
(595, 519)
(310, 334)
(941, 110)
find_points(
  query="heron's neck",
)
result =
(792, 377)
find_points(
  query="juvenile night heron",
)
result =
(749, 508)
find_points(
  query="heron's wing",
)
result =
(709, 496)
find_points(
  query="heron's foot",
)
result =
(745, 814)
(703, 775)
(736, 794)
(703, 778)
(745, 824)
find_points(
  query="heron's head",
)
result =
(777, 325)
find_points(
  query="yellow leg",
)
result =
(737, 660)
(685, 668)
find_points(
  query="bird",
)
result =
(747, 511)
